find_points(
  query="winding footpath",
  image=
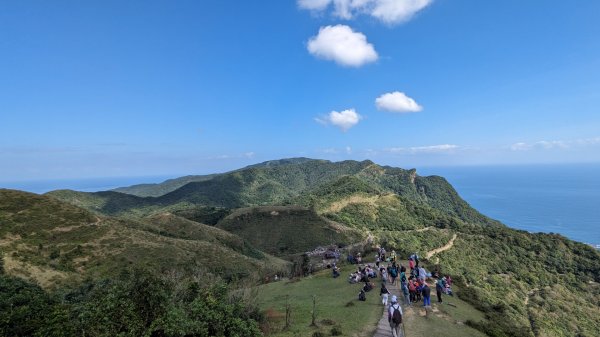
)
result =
(447, 246)
(383, 327)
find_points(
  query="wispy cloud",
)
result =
(342, 45)
(442, 148)
(343, 119)
(390, 12)
(555, 144)
(397, 102)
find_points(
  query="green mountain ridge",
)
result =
(523, 284)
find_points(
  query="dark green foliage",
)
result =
(26, 309)
(137, 304)
(336, 331)
(285, 230)
(202, 214)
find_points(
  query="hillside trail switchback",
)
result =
(445, 247)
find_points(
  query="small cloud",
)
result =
(553, 144)
(390, 12)
(556, 144)
(397, 102)
(443, 148)
(249, 154)
(348, 150)
(520, 147)
(397, 11)
(343, 120)
(314, 5)
(342, 45)
(329, 151)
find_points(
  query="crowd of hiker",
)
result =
(414, 282)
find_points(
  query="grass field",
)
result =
(359, 318)
(446, 319)
(337, 305)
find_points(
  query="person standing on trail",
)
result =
(384, 292)
(439, 288)
(422, 274)
(411, 263)
(393, 274)
(384, 275)
(426, 291)
(395, 317)
(412, 289)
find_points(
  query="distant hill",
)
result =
(156, 190)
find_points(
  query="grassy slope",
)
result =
(332, 295)
(56, 243)
(286, 230)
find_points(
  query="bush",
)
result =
(336, 331)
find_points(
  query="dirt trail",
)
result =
(447, 246)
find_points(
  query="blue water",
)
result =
(562, 199)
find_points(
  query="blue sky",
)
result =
(146, 88)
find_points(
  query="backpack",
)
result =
(394, 272)
(397, 316)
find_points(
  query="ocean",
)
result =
(562, 199)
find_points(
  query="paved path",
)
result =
(383, 327)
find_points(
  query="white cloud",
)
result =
(344, 46)
(348, 150)
(388, 11)
(397, 11)
(442, 148)
(397, 102)
(520, 147)
(314, 5)
(343, 120)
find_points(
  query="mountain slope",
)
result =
(55, 243)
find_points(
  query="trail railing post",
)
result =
(288, 312)
(314, 312)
